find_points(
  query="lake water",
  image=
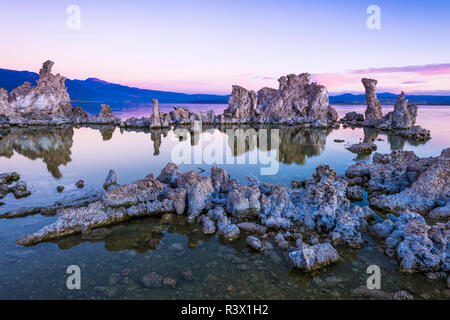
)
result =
(112, 268)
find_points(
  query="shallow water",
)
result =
(113, 267)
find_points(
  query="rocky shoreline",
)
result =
(311, 220)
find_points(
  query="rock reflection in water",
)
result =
(295, 144)
(398, 143)
(52, 145)
(107, 132)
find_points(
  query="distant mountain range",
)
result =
(93, 89)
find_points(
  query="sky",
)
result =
(207, 46)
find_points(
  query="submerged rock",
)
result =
(170, 282)
(66, 202)
(402, 295)
(208, 225)
(152, 280)
(310, 258)
(379, 294)
(255, 243)
(362, 148)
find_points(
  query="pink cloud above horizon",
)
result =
(434, 79)
(426, 70)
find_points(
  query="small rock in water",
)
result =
(310, 258)
(20, 190)
(280, 241)
(208, 225)
(167, 218)
(362, 148)
(176, 247)
(152, 280)
(9, 177)
(339, 140)
(252, 227)
(170, 282)
(187, 275)
(255, 243)
(60, 189)
(432, 276)
(402, 295)
(231, 288)
(242, 267)
(80, 184)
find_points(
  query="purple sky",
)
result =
(207, 46)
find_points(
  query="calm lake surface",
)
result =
(112, 268)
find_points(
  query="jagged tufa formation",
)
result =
(296, 101)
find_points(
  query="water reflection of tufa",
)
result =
(395, 141)
(52, 145)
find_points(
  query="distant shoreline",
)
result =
(86, 101)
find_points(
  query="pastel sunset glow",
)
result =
(207, 46)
